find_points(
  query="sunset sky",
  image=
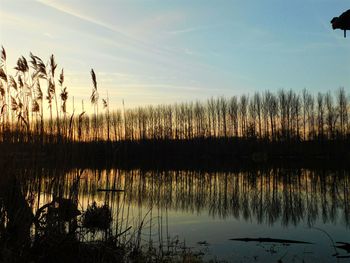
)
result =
(151, 52)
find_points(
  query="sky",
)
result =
(166, 51)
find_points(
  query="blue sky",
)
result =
(151, 52)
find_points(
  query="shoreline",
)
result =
(223, 153)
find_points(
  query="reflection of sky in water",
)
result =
(217, 233)
(194, 207)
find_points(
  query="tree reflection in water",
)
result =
(268, 196)
(142, 203)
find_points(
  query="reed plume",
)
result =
(94, 101)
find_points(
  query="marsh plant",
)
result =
(283, 115)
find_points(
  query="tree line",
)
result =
(274, 116)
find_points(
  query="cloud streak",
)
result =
(120, 39)
(77, 15)
(195, 29)
(125, 37)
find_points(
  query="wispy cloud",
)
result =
(49, 35)
(16, 20)
(72, 12)
(194, 29)
(185, 30)
(126, 41)
(131, 40)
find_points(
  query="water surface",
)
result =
(202, 211)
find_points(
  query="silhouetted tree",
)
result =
(342, 111)
(320, 114)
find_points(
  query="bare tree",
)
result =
(257, 102)
(243, 105)
(320, 114)
(233, 113)
(342, 110)
(331, 117)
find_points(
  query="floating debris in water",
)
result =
(345, 246)
(203, 243)
(270, 240)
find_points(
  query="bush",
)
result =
(97, 217)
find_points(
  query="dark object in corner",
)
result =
(342, 22)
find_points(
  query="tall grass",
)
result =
(279, 116)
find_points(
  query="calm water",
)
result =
(203, 211)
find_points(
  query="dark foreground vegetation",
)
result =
(52, 227)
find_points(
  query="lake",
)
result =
(201, 211)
